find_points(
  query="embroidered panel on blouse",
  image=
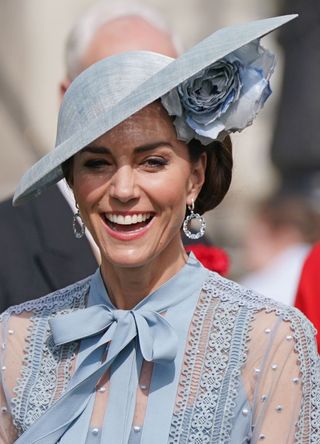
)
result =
(237, 341)
(31, 386)
(238, 337)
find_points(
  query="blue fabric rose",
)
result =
(223, 98)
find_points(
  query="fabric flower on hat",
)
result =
(223, 98)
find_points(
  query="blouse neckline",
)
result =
(177, 298)
(161, 297)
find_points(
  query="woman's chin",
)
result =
(128, 258)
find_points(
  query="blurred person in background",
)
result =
(295, 148)
(290, 264)
(308, 292)
(276, 244)
(49, 258)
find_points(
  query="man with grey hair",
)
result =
(111, 27)
(36, 258)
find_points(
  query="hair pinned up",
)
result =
(218, 172)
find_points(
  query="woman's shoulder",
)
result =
(276, 336)
(232, 293)
(67, 298)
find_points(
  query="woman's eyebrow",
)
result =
(96, 150)
(152, 146)
(140, 149)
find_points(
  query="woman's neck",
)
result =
(128, 286)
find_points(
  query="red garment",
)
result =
(213, 258)
(308, 293)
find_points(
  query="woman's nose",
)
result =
(123, 184)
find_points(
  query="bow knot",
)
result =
(127, 336)
(156, 337)
(118, 315)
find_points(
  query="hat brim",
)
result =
(48, 171)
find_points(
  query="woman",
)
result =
(154, 347)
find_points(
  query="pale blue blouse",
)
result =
(178, 296)
(199, 349)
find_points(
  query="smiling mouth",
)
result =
(128, 222)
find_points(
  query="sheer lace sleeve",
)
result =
(282, 377)
(11, 362)
(7, 430)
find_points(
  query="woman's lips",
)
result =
(127, 219)
(127, 226)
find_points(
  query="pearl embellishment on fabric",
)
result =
(279, 408)
(257, 370)
(264, 398)
(101, 389)
(4, 409)
(274, 366)
(262, 437)
(11, 332)
(245, 412)
(137, 429)
(289, 338)
(3, 368)
(295, 380)
(95, 431)
(143, 387)
(267, 330)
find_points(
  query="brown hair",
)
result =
(282, 212)
(217, 176)
(218, 172)
(66, 167)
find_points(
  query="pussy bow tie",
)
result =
(106, 327)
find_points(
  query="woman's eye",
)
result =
(155, 162)
(95, 163)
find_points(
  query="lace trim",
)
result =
(211, 366)
(191, 371)
(308, 427)
(230, 382)
(46, 368)
(310, 371)
(209, 418)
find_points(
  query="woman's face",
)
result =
(132, 186)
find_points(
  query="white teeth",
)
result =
(128, 219)
(119, 220)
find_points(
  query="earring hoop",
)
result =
(188, 220)
(78, 225)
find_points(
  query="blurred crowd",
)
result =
(280, 247)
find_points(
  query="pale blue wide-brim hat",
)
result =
(115, 88)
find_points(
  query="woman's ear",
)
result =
(197, 177)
